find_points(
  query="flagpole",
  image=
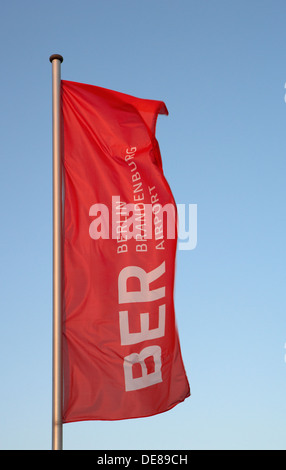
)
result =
(56, 61)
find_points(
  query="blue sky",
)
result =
(220, 67)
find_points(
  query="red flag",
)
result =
(121, 352)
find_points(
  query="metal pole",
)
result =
(56, 61)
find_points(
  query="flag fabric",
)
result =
(121, 350)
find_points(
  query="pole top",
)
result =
(56, 56)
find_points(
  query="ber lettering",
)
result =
(143, 295)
